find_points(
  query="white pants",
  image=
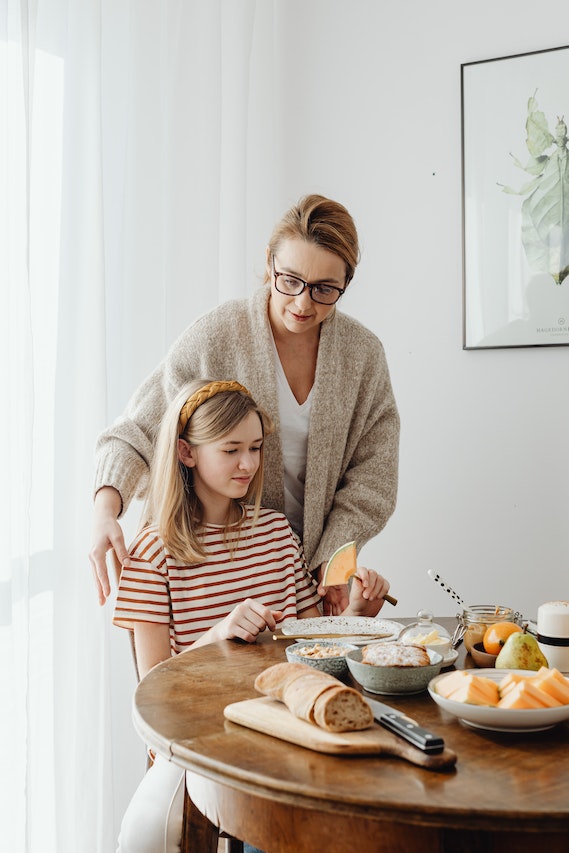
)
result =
(152, 822)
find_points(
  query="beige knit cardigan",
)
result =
(353, 442)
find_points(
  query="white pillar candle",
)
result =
(553, 633)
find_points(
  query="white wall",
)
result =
(371, 117)
(484, 476)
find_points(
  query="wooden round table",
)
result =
(508, 791)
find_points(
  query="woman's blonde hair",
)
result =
(323, 222)
(203, 411)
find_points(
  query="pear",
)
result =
(521, 651)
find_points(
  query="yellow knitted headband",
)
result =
(203, 394)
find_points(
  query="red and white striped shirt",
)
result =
(267, 564)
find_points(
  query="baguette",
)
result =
(316, 697)
(275, 679)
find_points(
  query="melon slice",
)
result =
(341, 565)
(551, 681)
(476, 690)
(526, 695)
(451, 682)
(509, 681)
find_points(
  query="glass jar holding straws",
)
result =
(474, 619)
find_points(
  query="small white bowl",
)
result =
(335, 665)
(442, 646)
(393, 679)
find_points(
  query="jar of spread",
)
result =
(473, 621)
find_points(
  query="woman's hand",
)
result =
(335, 599)
(107, 534)
(367, 593)
(245, 622)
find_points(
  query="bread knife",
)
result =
(402, 725)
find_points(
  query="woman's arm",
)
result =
(355, 428)
(125, 449)
(107, 534)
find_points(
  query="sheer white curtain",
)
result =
(137, 186)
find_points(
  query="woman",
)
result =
(331, 465)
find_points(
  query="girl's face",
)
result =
(300, 314)
(223, 469)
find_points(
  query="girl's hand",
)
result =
(367, 593)
(247, 621)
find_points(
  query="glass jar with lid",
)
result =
(474, 620)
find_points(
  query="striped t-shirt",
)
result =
(267, 564)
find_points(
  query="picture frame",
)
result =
(515, 200)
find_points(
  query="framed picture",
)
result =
(515, 197)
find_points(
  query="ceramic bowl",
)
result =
(393, 679)
(334, 665)
(482, 658)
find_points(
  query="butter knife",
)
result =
(402, 725)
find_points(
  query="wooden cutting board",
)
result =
(271, 717)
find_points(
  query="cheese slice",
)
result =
(527, 695)
(551, 681)
(510, 680)
(450, 682)
(476, 690)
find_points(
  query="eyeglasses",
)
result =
(290, 285)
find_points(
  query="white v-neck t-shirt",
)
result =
(294, 418)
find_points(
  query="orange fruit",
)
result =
(496, 635)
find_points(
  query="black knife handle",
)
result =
(408, 729)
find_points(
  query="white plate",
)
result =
(499, 719)
(349, 625)
(450, 657)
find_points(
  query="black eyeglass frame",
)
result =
(339, 290)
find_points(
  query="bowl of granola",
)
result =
(327, 656)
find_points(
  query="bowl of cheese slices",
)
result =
(504, 699)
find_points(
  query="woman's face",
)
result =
(301, 314)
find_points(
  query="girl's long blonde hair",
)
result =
(171, 503)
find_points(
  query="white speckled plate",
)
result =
(352, 626)
(499, 719)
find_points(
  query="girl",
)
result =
(209, 564)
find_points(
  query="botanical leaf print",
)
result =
(545, 211)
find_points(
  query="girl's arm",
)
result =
(152, 645)
(245, 622)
